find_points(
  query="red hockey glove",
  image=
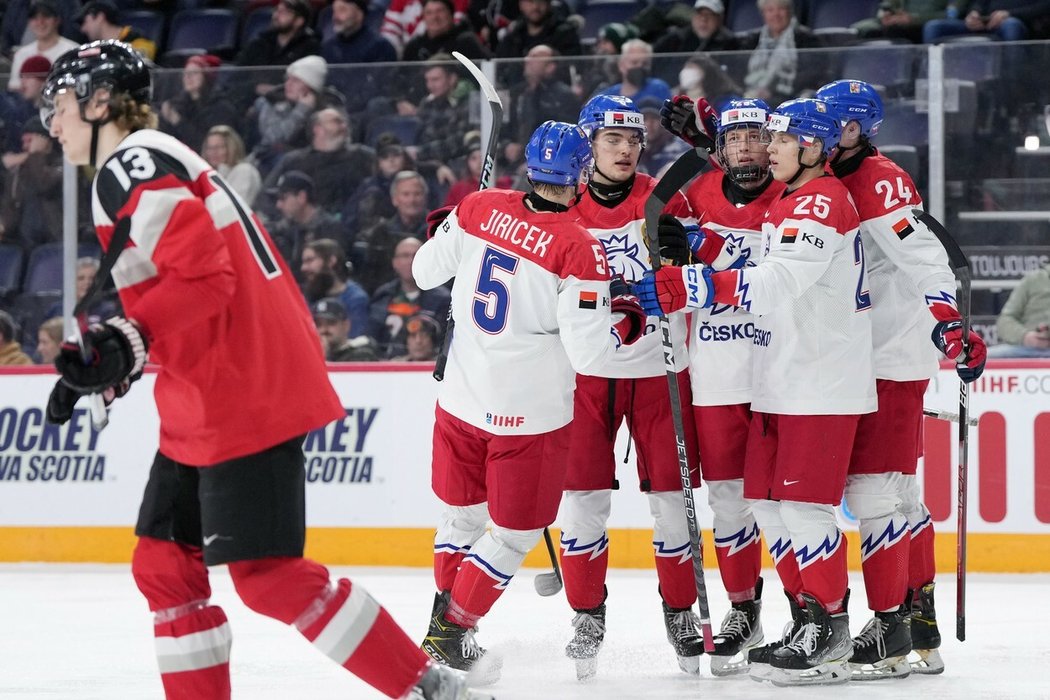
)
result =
(679, 115)
(947, 336)
(673, 288)
(435, 219)
(714, 250)
(631, 324)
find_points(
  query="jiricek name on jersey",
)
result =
(31, 449)
(522, 234)
(336, 453)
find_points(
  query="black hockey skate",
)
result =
(882, 647)
(440, 682)
(683, 632)
(819, 654)
(758, 658)
(587, 641)
(455, 646)
(741, 631)
(925, 637)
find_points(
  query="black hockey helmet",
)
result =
(110, 64)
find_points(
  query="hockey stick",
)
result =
(688, 165)
(961, 269)
(549, 584)
(947, 416)
(488, 175)
(121, 235)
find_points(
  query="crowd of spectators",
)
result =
(342, 128)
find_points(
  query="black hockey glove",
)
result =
(679, 116)
(61, 403)
(674, 246)
(118, 354)
(63, 399)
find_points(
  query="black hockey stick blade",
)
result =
(688, 166)
(956, 257)
(961, 269)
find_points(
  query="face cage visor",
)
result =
(754, 135)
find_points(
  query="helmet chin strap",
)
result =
(94, 143)
(96, 125)
(802, 167)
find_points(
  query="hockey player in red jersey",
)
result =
(631, 388)
(532, 305)
(241, 380)
(913, 299)
(730, 200)
(812, 379)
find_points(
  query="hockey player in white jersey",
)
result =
(813, 379)
(532, 305)
(913, 299)
(730, 200)
(631, 387)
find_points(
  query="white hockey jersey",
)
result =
(619, 229)
(907, 266)
(809, 294)
(721, 347)
(531, 305)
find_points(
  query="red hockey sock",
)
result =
(674, 569)
(785, 563)
(352, 629)
(584, 568)
(739, 563)
(446, 566)
(192, 637)
(922, 565)
(822, 569)
(193, 652)
(884, 561)
(477, 588)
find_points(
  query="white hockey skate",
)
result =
(925, 636)
(819, 654)
(587, 641)
(741, 631)
(683, 632)
(441, 682)
(882, 647)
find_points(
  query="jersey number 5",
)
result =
(491, 296)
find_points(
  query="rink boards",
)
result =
(71, 494)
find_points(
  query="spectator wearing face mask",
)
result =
(635, 65)
(701, 76)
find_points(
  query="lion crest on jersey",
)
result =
(624, 256)
(737, 240)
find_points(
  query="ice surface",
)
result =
(84, 633)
